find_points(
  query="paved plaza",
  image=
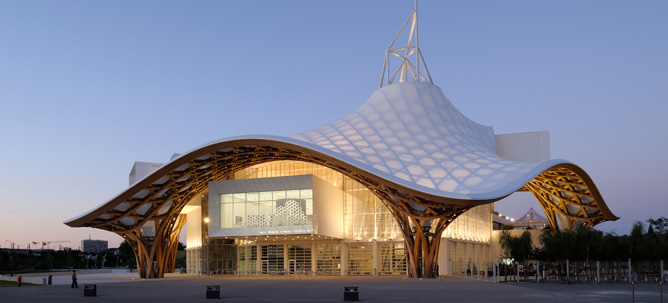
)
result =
(125, 287)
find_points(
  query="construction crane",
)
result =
(46, 243)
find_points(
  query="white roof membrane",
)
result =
(410, 131)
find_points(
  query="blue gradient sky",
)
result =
(89, 87)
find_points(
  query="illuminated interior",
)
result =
(371, 238)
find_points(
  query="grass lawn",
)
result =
(13, 284)
(23, 272)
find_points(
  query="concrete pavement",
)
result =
(125, 287)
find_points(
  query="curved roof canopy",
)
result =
(407, 143)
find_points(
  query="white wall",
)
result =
(194, 227)
(327, 209)
(524, 147)
(141, 170)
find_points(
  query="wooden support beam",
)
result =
(179, 181)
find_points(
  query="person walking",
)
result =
(74, 279)
(19, 279)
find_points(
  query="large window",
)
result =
(247, 260)
(292, 207)
(193, 260)
(329, 259)
(299, 256)
(360, 259)
(392, 258)
(221, 258)
(365, 215)
(473, 225)
(272, 260)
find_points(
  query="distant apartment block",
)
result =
(94, 246)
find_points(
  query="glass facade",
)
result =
(193, 259)
(391, 258)
(247, 260)
(372, 241)
(329, 259)
(251, 265)
(365, 216)
(273, 262)
(267, 209)
(473, 225)
(360, 259)
(221, 257)
(465, 255)
(299, 259)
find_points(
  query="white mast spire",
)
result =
(407, 71)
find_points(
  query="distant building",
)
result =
(142, 169)
(17, 251)
(530, 220)
(94, 246)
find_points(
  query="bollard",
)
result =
(630, 277)
(351, 293)
(486, 271)
(90, 290)
(494, 271)
(213, 291)
(598, 272)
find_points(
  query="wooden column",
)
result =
(156, 255)
(422, 239)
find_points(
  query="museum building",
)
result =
(403, 185)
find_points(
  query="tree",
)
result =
(557, 246)
(49, 257)
(614, 248)
(126, 250)
(520, 248)
(587, 243)
(651, 243)
(637, 248)
(4, 261)
(660, 225)
(127, 255)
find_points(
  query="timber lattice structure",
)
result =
(407, 144)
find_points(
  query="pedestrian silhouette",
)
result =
(74, 279)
